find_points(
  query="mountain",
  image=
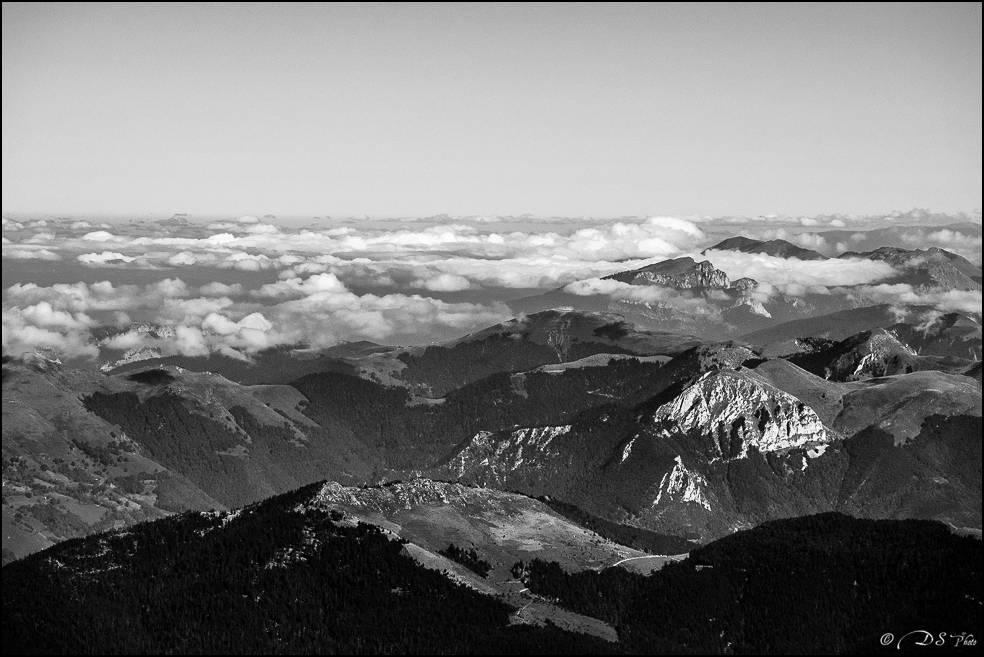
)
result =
(522, 343)
(729, 446)
(683, 296)
(933, 269)
(67, 472)
(686, 296)
(502, 527)
(863, 356)
(299, 573)
(778, 248)
(276, 366)
(927, 332)
(949, 335)
(84, 452)
(412, 432)
(962, 236)
(558, 335)
(289, 574)
(823, 584)
(679, 296)
(678, 274)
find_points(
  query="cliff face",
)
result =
(497, 457)
(725, 413)
(869, 354)
(672, 468)
(873, 353)
(727, 448)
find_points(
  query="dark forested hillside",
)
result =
(415, 435)
(820, 584)
(268, 579)
(235, 459)
(288, 575)
(440, 368)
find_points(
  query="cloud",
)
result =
(103, 296)
(263, 229)
(649, 294)
(964, 241)
(102, 236)
(967, 302)
(655, 237)
(41, 327)
(443, 283)
(373, 281)
(42, 237)
(298, 287)
(792, 271)
(30, 254)
(325, 317)
(20, 339)
(103, 258)
(182, 259)
(319, 310)
(43, 314)
(217, 289)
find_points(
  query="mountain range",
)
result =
(695, 297)
(644, 424)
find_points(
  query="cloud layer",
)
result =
(397, 282)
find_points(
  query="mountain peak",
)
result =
(778, 248)
(395, 495)
(861, 356)
(562, 328)
(930, 269)
(679, 273)
(729, 412)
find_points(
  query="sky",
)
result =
(546, 109)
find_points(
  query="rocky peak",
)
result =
(728, 412)
(861, 356)
(714, 355)
(869, 354)
(745, 285)
(682, 485)
(393, 496)
(680, 274)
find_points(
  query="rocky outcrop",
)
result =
(398, 495)
(863, 356)
(683, 485)
(500, 455)
(874, 353)
(727, 413)
(679, 274)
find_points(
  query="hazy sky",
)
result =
(469, 109)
